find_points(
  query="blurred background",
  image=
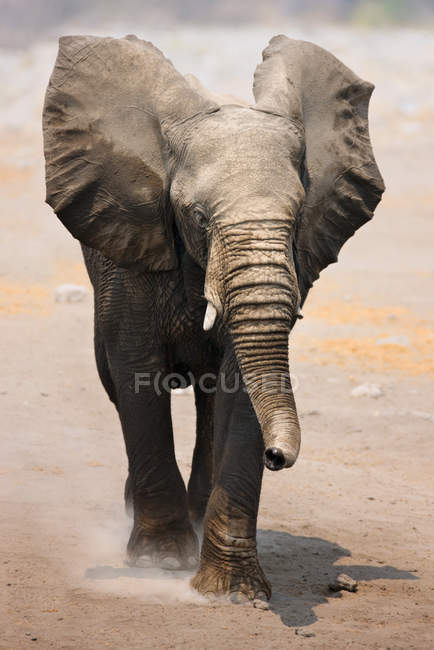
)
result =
(25, 21)
(390, 43)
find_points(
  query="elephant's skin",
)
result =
(203, 225)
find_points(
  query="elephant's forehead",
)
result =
(237, 155)
(242, 136)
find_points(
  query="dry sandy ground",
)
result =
(359, 499)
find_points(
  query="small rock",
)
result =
(410, 126)
(343, 583)
(348, 297)
(401, 340)
(25, 163)
(304, 633)
(367, 390)
(239, 598)
(423, 415)
(70, 293)
(407, 107)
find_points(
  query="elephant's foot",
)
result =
(173, 548)
(239, 577)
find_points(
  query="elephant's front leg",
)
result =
(229, 562)
(162, 534)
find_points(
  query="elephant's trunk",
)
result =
(261, 347)
(259, 298)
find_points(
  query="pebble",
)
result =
(343, 583)
(70, 293)
(367, 390)
(304, 633)
(239, 598)
(402, 340)
(423, 415)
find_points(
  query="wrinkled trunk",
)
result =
(263, 361)
(260, 337)
(260, 296)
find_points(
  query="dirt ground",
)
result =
(358, 501)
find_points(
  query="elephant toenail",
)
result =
(211, 595)
(143, 562)
(170, 564)
(261, 601)
(239, 598)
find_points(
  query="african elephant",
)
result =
(203, 226)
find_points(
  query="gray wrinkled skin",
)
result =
(178, 198)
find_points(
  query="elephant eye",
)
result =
(200, 217)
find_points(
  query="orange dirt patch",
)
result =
(12, 175)
(338, 312)
(37, 299)
(74, 272)
(417, 358)
(18, 299)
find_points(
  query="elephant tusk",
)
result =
(210, 315)
(299, 313)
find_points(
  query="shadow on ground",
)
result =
(299, 568)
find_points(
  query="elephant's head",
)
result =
(263, 197)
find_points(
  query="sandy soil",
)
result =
(359, 499)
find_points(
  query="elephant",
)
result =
(204, 222)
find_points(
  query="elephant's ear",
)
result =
(107, 103)
(343, 185)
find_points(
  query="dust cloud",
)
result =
(99, 565)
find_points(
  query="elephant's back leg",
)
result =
(201, 477)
